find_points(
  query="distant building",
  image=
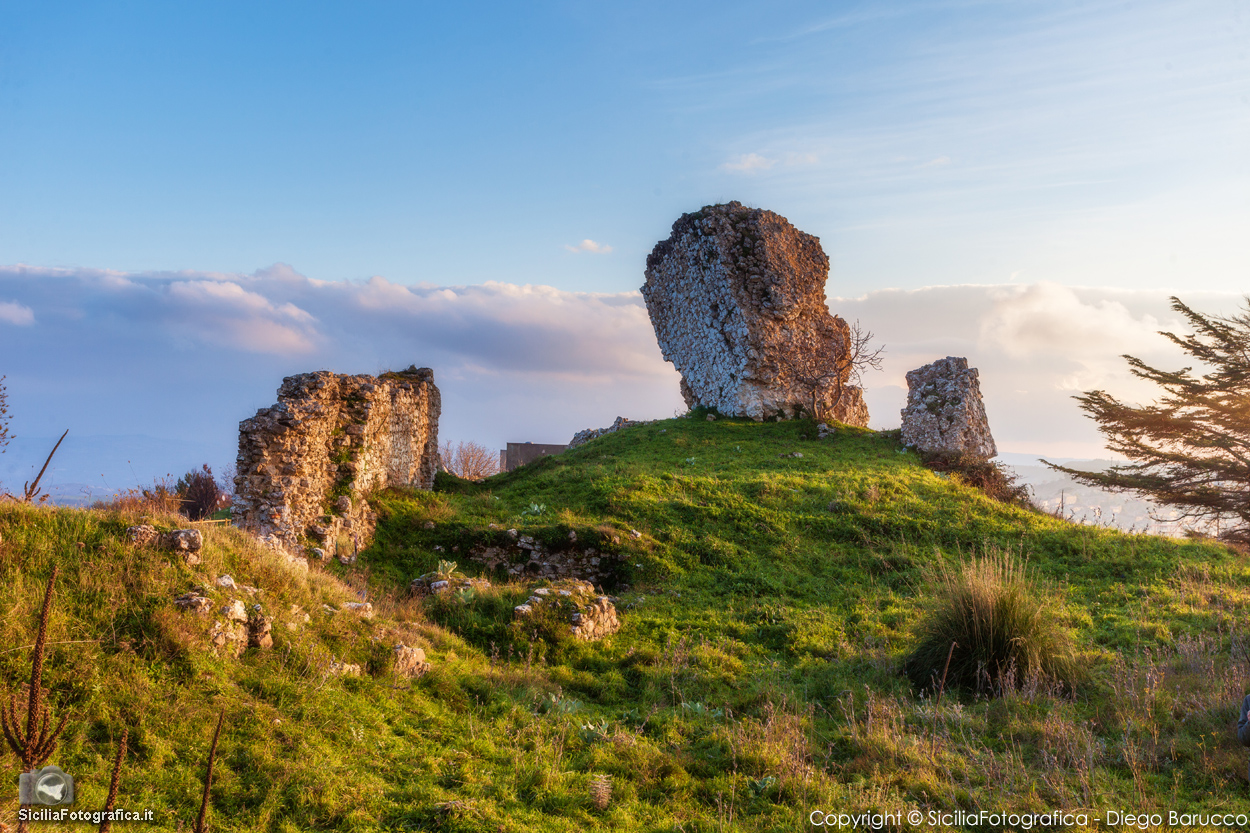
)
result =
(518, 454)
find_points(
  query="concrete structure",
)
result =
(518, 454)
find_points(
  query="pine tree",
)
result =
(1190, 449)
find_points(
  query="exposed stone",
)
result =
(235, 611)
(432, 583)
(583, 437)
(188, 542)
(591, 616)
(595, 620)
(259, 629)
(737, 299)
(229, 637)
(142, 535)
(944, 410)
(362, 609)
(306, 464)
(194, 603)
(226, 581)
(588, 564)
(343, 669)
(410, 662)
(183, 540)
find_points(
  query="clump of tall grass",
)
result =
(1004, 627)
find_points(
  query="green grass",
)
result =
(768, 605)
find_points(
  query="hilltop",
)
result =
(768, 584)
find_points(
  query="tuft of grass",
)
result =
(1003, 628)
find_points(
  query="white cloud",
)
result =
(527, 362)
(939, 162)
(12, 312)
(749, 163)
(590, 246)
(191, 354)
(1049, 318)
(1035, 347)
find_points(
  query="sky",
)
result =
(199, 199)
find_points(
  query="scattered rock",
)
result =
(595, 620)
(188, 542)
(737, 299)
(431, 583)
(225, 581)
(235, 611)
(259, 630)
(298, 617)
(343, 669)
(142, 535)
(583, 437)
(184, 540)
(410, 662)
(944, 410)
(362, 609)
(229, 637)
(795, 455)
(194, 603)
(591, 616)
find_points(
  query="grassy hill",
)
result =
(768, 601)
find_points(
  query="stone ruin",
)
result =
(306, 464)
(944, 411)
(737, 299)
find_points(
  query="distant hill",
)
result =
(1056, 492)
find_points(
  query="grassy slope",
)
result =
(766, 608)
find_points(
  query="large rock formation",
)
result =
(306, 464)
(737, 299)
(944, 411)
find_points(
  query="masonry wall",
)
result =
(307, 463)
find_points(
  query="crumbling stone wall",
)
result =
(737, 299)
(306, 464)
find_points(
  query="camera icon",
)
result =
(49, 785)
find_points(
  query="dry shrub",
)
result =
(160, 499)
(601, 791)
(469, 460)
(1004, 628)
(779, 741)
(996, 480)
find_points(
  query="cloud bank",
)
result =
(185, 356)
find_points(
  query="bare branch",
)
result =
(32, 489)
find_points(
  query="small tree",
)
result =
(469, 460)
(827, 381)
(199, 493)
(1191, 449)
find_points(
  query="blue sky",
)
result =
(1095, 153)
